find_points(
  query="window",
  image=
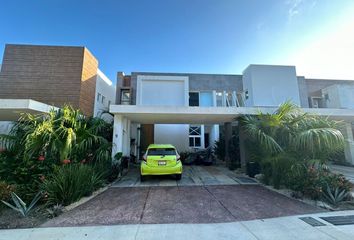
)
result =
(193, 99)
(98, 97)
(125, 97)
(109, 103)
(161, 152)
(195, 136)
(103, 98)
(219, 99)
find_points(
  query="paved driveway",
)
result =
(192, 176)
(181, 204)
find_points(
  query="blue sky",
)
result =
(206, 36)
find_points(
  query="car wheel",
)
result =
(178, 176)
(142, 178)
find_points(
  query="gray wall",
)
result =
(197, 82)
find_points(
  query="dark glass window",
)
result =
(161, 151)
(193, 99)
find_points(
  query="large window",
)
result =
(193, 99)
(125, 97)
(195, 136)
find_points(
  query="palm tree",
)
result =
(289, 138)
(289, 129)
(61, 134)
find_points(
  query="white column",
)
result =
(117, 135)
(202, 140)
(349, 142)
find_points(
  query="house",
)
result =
(188, 109)
(35, 78)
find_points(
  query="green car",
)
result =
(161, 159)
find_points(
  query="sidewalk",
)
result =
(275, 228)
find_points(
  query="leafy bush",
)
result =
(20, 206)
(71, 182)
(38, 143)
(314, 182)
(5, 190)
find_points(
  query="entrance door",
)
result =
(206, 140)
(146, 136)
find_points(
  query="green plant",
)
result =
(20, 206)
(5, 190)
(335, 196)
(38, 143)
(287, 138)
(55, 210)
(71, 182)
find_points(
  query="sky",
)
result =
(201, 36)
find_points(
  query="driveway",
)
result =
(181, 204)
(192, 176)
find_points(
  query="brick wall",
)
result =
(50, 74)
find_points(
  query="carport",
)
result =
(124, 115)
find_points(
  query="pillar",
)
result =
(228, 135)
(117, 135)
(347, 132)
(242, 137)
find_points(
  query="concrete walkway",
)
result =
(348, 172)
(192, 176)
(282, 228)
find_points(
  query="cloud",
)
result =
(294, 8)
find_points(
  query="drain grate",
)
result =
(313, 222)
(340, 220)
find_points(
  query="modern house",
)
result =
(187, 109)
(184, 109)
(36, 78)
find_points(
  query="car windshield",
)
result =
(161, 151)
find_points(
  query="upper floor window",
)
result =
(98, 97)
(102, 99)
(125, 97)
(193, 99)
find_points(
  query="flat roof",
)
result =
(209, 115)
(11, 109)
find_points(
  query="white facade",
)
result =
(105, 95)
(338, 96)
(269, 86)
(165, 91)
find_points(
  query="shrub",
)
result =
(335, 196)
(5, 191)
(70, 182)
(314, 182)
(20, 206)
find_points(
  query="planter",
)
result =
(252, 169)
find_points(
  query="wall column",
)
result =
(117, 135)
(242, 137)
(348, 142)
(228, 135)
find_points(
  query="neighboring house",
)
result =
(55, 75)
(187, 109)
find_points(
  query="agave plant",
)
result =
(335, 196)
(20, 206)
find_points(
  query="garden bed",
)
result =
(11, 219)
